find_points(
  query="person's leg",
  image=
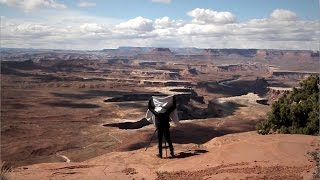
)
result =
(160, 134)
(168, 138)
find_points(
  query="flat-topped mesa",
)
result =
(261, 53)
(293, 74)
(226, 52)
(273, 53)
(158, 54)
(161, 51)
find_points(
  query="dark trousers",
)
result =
(164, 131)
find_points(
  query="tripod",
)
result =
(165, 142)
(151, 139)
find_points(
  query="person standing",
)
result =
(162, 118)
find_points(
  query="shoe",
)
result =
(172, 155)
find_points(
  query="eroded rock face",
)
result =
(292, 74)
(275, 93)
(161, 52)
(189, 104)
(192, 106)
(241, 67)
(226, 52)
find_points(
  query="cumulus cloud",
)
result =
(86, 3)
(162, 1)
(33, 30)
(29, 5)
(75, 30)
(206, 30)
(91, 28)
(204, 16)
(66, 30)
(283, 15)
(163, 22)
(166, 22)
(139, 24)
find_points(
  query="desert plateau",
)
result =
(81, 114)
(159, 90)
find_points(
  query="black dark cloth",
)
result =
(163, 125)
(166, 133)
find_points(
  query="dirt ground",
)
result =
(235, 156)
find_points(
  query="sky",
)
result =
(101, 24)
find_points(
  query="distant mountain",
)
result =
(144, 50)
(186, 51)
(160, 53)
(224, 52)
(246, 53)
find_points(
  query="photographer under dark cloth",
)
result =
(163, 125)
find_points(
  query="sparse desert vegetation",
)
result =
(296, 112)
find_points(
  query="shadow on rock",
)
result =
(190, 153)
(184, 134)
(193, 133)
(69, 104)
(213, 110)
(236, 87)
(129, 125)
(89, 94)
(116, 96)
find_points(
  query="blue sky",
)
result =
(175, 23)
(244, 9)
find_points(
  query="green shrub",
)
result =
(295, 113)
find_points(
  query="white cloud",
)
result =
(205, 16)
(91, 28)
(282, 30)
(77, 30)
(29, 5)
(283, 15)
(86, 3)
(165, 32)
(166, 22)
(35, 30)
(162, 1)
(139, 24)
(163, 22)
(206, 29)
(65, 30)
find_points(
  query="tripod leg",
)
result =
(151, 140)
